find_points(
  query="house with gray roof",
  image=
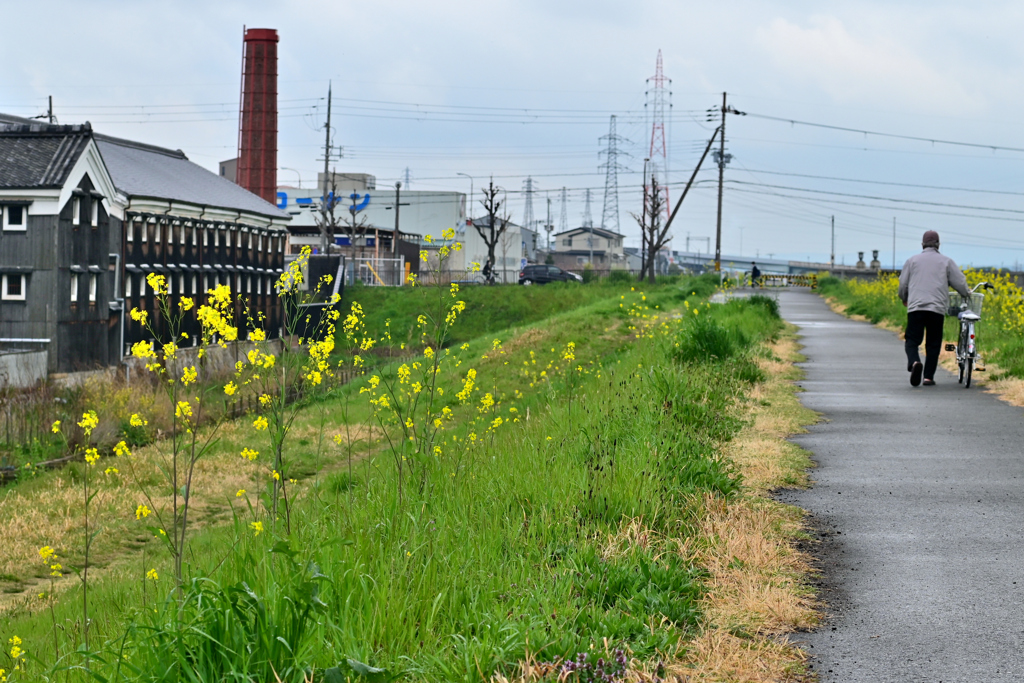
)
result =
(85, 217)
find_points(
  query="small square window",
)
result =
(14, 217)
(12, 288)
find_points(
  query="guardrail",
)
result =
(771, 280)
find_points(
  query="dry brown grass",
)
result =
(757, 591)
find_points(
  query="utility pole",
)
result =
(894, 242)
(50, 112)
(549, 226)
(563, 223)
(832, 260)
(398, 203)
(327, 161)
(721, 178)
(643, 222)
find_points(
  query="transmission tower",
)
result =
(611, 166)
(588, 222)
(408, 179)
(528, 211)
(657, 167)
(563, 223)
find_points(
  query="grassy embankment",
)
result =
(1000, 332)
(26, 417)
(585, 521)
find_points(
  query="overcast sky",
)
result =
(510, 89)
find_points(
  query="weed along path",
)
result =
(919, 497)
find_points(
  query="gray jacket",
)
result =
(926, 279)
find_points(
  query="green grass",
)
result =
(517, 549)
(491, 309)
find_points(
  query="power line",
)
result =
(877, 198)
(886, 183)
(934, 141)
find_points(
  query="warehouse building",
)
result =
(84, 218)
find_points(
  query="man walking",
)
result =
(755, 274)
(924, 290)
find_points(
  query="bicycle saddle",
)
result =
(967, 315)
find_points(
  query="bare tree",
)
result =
(654, 235)
(497, 220)
(327, 221)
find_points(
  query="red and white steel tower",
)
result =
(657, 165)
(257, 126)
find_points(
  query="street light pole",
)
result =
(285, 168)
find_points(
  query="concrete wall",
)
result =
(22, 369)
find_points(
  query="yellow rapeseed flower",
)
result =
(257, 528)
(189, 375)
(183, 411)
(152, 575)
(91, 456)
(230, 388)
(260, 423)
(121, 449)
(55, 428)
(89, 421)
(136, 421)
(239, 493)
(249, 454)
(141, 512)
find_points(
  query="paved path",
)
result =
(920, 497)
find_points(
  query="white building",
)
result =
(420, 212)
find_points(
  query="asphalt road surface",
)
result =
(918, 496)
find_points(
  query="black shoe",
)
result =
(915, 374)
(928, 382)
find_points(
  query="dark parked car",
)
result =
(542, 274)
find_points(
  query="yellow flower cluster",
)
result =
(92, 456)
(49, 557)
(249, 454)
(142, 512)
(89, 421)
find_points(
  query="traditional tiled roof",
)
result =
(141, 170)
(39, 155)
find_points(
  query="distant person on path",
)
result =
(924, 290)
(755, 273)
(488, 273)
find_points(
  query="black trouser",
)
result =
(917, 323)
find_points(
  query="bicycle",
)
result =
(967, 309)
